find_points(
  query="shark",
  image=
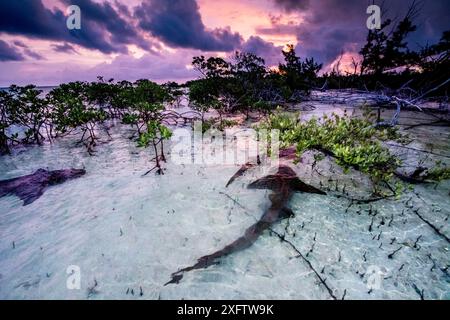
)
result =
(31, 187)
(283, 185)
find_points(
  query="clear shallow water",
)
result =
(128, 232)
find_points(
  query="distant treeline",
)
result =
(241, 86)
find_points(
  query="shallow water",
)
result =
(128, 233)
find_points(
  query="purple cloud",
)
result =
(178, 23)
(65, 48)
(102, 28)
(9, 53)
(331, 27)
(267, 50)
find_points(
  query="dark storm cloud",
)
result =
(29, 17)
(105, 16)
(110, 26)
(102, 28)
(267, 50)
(331, 27)
(123, 9)
(27, 51)
(19, 43)
(179, 24)
(9, 53)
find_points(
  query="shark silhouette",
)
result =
(283, 184)
(30, 187)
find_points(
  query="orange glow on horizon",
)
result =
(345, 63)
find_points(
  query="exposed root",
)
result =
(322, 281)
(436, 229)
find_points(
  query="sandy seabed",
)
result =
(128, 233)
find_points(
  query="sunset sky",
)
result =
(156, 39)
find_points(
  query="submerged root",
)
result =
(158, 171)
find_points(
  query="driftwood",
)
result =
(386, 98)
(405, 103)
(30, 187)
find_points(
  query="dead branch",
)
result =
(431, 90)
(436, 229)
(322, 281)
